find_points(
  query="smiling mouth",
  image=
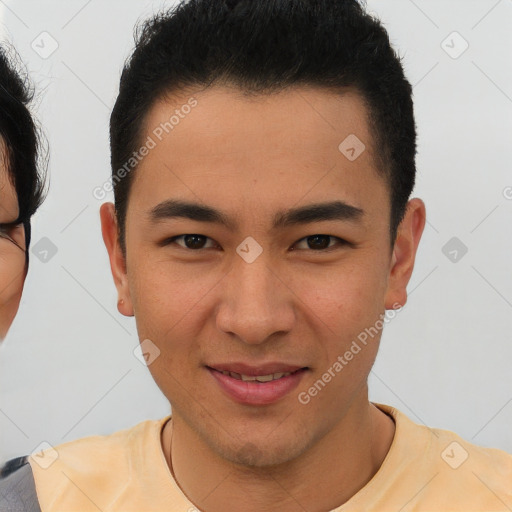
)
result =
(260, 387)
(258, 378)
(263, 378)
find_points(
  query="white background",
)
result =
(67, 368)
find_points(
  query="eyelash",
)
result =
(341, 242)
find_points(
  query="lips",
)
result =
(257, 385)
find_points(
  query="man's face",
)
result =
(12, 254)
(213, 303)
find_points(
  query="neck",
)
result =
(324, 477)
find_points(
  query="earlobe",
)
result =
(109, 230)
(123, 309)
(404, 253)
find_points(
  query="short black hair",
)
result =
(22, 138)
(264, 46)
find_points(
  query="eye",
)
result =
(196, 242)
(191, 241)
(12, 233)
(6, 230)
(321, 242)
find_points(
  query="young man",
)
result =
(263, 155)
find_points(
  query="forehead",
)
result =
(306, 119)
(270, 147)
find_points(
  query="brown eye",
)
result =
(321, 242)
(191, 241)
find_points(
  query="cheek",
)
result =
(169, 312)
(12, 277)
(349, 304)
(168, 298)
(347, 297)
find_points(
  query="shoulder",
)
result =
(17, 487)
(81, 474)
(95, 454)
(447, 446)
(476, 475)
(450, 467)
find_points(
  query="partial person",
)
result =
(21, 182)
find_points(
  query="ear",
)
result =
(404, 253)
(110, 232)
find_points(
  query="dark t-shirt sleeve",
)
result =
(17, 487)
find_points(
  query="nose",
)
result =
(256, 302)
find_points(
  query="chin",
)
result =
(263, 453)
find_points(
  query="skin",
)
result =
(12, 256)
(250, 158)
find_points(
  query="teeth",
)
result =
(258, 378)
(265, 378)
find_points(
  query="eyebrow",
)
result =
(334, 210)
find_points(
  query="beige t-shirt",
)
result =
(425, 470)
